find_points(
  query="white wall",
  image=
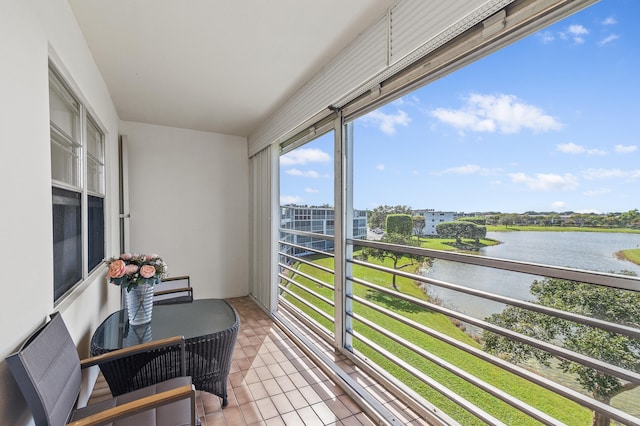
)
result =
(30, 33)
(189, 203)
(194, 195)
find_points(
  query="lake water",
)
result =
(594, 251)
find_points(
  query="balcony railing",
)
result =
(400, 339)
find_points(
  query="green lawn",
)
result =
(558, 407)
(632, 255)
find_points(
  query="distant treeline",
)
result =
(631, 219)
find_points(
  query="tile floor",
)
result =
(272, 382)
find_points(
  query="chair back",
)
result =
(173, 290)
(47, 370)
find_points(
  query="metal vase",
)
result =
(140, 304)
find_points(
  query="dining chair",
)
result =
(173, 290)
(48, 371)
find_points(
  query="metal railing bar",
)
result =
(306, 262)
(592, 277)
(593, 322)
(552, 349)
(370, 404)
(306, 320)
(307, 304)
(505, 365)
(308, 234)
(308, 290)
(307, 276)
(442, 389)
(325, 253)
(481, 384)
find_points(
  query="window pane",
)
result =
(67, 240)
(95, 158)
(95, 142)
(95, 177)
(64, 110)
(65, 160)
(96, 230)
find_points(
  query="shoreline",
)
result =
(629, 255)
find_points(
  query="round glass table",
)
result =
(209, 327)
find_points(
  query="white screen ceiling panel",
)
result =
(365, 57)
(412, 29)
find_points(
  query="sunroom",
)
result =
(176, 128)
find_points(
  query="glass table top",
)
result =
(199, 318)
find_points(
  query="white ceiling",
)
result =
(214, 65)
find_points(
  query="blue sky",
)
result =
(549, 123)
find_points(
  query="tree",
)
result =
(478, 220)
(605, 303)
(479, 232)
(418, 226)
(399, 224)
(377, 218)
(457, 230)
(396, 256)
(509, 219)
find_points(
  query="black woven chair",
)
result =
(173, 290)
(48, 372)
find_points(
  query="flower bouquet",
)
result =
(131, 270)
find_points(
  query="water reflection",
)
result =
(582, 250)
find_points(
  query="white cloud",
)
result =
(609, 21)
(546, 37)
(291, 199)
(503, 113)
(545, 181)
(608, 39)
(311, 190)
(380, 167)
(624, 149)
(595, 174)
(577, 33)
(572, 148)
(309, 173)
(388, 122)
(596, 192)
(557, 205)
(468, 169)
(304, 156)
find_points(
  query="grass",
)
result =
(632, 255)
(556, 406)
(511, 228)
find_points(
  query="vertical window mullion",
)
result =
(340, 219)
(83, 183)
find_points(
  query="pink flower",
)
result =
(131, 269)
(117, 269)
(147, 271)
(126, 256)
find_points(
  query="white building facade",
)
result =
(319, 220)
(432, 218)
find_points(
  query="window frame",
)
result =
(83, 173)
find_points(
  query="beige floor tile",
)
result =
(272, 382)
